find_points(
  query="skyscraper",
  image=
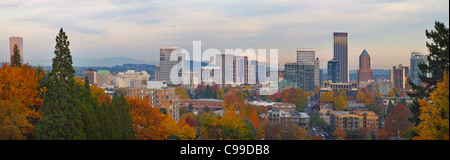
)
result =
(364, 73)
(13, 41)
(416, 58)
(92, 76)
(334, 71)
(225, 62)
(399, 76)
(301, 73)
(309, 56)
(166, 64)
(306, 55)
(340, 49)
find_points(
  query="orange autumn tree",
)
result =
(148, 122)
(339, 134)
(250, 112)
(181, 129)
(232, 102)
(19, 88)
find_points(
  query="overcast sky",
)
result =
(388, 30)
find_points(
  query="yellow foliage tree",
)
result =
(220, 94)
(360, 96)
(434, 114)
(340, 104)
(391, 94)
(328, 96)
(368, 99)
(180, 91)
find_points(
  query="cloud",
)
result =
(138, 28)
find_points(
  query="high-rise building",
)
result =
(240, 69)
(225, 62)
(334, 71)
(340, 48)
(16, 41)
(399, 76)
(156, 73)
(92, 76)
(261, 72)
(364, 73)
(301, 73)
(166, 64)
(384, 87)
(308, 56)
(416, 58)
(321, 77)
(211, 74)
(103, 78)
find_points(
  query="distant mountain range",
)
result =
(355, 71)
(105, 62)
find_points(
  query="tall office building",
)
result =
(225, 62)
(301, 73)
(103, 78)
(321, 77)
(308, 56)
(166, 64)
(340, 49)
(334, 71)
(211, 74)
(399, 76)
(156, 73)
(416, 58)
(364, 73)
(316, 72)
(92, 76)
(261, 72)
(240, 69)
(13, 41)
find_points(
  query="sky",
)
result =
(137, 29)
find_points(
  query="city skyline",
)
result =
(107, 28)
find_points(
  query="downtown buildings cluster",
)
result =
(239, 71)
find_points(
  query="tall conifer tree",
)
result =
(61, 112)
(16, 59)
(438, 62)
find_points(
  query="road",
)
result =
(316, 131)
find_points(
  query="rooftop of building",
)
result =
(295, 114)
(103, 71)
(364, 53)
(205, 100)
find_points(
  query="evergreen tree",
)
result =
(16, 59)
(438, 62)
(61, 112)
(124, 125)
(89, 114)
(208, 92)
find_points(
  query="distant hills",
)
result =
(355, 71)
(104, 62)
